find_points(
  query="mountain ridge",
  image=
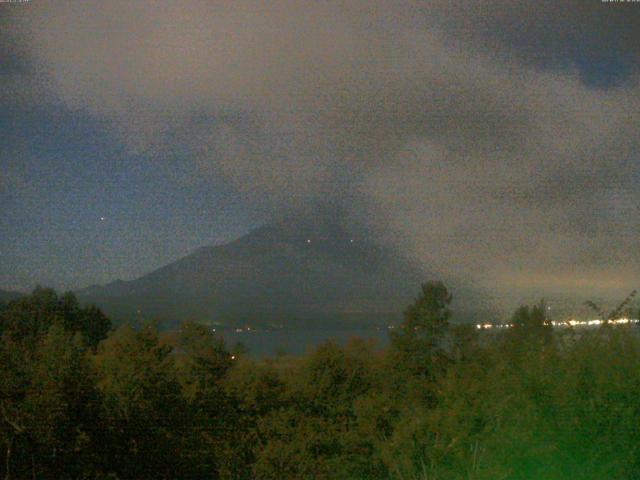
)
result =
(307, 273)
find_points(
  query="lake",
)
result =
(296, 342)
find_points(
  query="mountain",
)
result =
(295, 273)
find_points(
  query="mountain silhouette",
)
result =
(300, 272)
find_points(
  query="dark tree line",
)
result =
(79, 400)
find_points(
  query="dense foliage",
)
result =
(78, 400)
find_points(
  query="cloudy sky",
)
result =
(495, 139)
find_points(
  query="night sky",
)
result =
(495, 139)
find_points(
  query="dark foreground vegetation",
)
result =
(79, 400)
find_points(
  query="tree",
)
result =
(317, 433)
(94, 326)
(621, 309)
(143, 405)
(29, 318)
(202, 362)
(532, 324)
(48, 407)
(255, 390)
(419, 345)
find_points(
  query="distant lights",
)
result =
(622, 321)
(351, 240)
(568, 323)
(484, 326)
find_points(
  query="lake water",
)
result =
(296, 342)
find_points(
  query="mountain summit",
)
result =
(303, 273)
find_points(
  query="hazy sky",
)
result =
(497, 139)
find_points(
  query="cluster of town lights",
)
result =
(567, 323)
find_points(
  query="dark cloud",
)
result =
(469, 135)
(549, 34)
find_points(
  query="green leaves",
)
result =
(418, 350)
(441, 402)
(143, 404)
(27, 319)
(49, 404)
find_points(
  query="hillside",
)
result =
(297, 273)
